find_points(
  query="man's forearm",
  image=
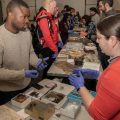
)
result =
(6, 74)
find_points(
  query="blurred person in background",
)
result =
(63, 27)
(56, 20)
(66, 9)
(72, 18)
(90, 27)
(77, 18)
(94, 15)
(106, 9)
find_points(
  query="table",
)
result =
(74, 35)
(77, 38)
(82, 114)
(79, 29)
(64, 64)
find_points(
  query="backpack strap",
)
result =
(48, 19)
(40, 17)
(38, 32)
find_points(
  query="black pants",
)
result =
(46, 52)
(7, 96)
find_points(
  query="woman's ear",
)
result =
(113, 41)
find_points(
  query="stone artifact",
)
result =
(40, 110)
(8, 114)
(65, 66)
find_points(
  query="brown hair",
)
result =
(110, 26)
(110, 2)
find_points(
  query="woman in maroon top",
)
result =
(106, 104)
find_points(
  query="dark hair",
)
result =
(66, 16)
(93, 9)
(15, 3)
(87, 19)
(110, 26)
(67, 7)
(110, 2)
(78, 15)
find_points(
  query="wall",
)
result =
(4, 5)
(79, 5)
(1, 14)
(89, 4)
(117, 4)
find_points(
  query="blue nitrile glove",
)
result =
(87, 73)
(60, 44)
(42, 64)
(54, 56)
(76, 81)
(31, 73)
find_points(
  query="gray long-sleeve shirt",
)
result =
(16, 54)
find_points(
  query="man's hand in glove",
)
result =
(54, 56)
(42, 64)
(60, 44)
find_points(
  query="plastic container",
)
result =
(21, 100)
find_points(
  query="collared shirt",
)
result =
(112, 59)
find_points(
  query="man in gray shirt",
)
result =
(106, 9)
(16, 52)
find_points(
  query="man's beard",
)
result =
(16, 28)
